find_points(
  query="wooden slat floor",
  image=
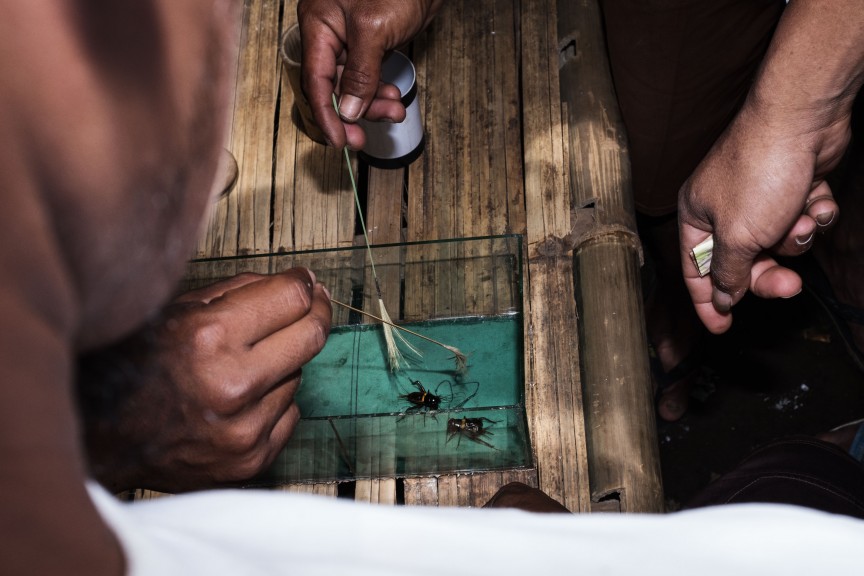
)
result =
(494, 163)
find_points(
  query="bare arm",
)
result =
(97, 147)
(47, 522)
(762, 187)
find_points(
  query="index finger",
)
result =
(206, 294)
(256, 310)
(320, 51)
(290, 348)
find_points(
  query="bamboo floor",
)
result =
(494, 163)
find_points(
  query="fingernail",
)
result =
(804, 240)
(327, 292)
(349, 107)
(825, 218)
(722, 301)
(792, 295)
(312, 275)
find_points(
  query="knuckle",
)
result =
(320, 331)
(727, 281)
(232, 397)
(241, 439)
(372, 23)
(296, 293)
(253, 464)
(209, 337)
(722, 281)
(357, 78)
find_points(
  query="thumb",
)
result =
(731, 266)
(360, 77)
(698, 283)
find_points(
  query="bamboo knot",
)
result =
(611, 233)
(552, 247)
(587, 231)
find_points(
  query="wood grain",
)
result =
(240, 222)
(623, 453)
(497, 160)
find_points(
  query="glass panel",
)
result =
(362, 420)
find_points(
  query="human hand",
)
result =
(209, 385)
(761, 191)
(344, 42)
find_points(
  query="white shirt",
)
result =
(246, 532)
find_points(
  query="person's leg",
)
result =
(800, 471)
(674, 330)
(681, 69)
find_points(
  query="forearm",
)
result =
(814, 66)
(47, 521)
(111, 118)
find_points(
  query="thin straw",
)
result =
(359, 209)
(461, 359)
(394, 355)
(701, 256)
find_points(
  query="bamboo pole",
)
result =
(620, 426)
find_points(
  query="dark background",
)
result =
(783, 369)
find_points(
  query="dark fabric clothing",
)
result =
(681, 69)
(797, 471)
(801, 471)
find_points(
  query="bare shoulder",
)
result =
(117, 112)
(110, 130)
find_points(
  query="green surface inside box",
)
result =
(358, 419)
(350, 376)
(359, 423)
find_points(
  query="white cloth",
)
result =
(257, 532)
